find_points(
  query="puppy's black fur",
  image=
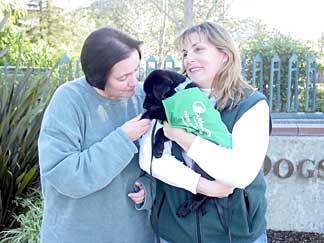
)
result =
(159, 85)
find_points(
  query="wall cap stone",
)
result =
(297, 127)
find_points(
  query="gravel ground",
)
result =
(294, 237)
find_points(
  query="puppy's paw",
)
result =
(158, 147)
(157, 151)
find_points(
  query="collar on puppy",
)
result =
(182, 85)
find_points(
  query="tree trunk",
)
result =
(188, 13)
(41, 19)
(161, 37)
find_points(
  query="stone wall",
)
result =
(295, 177)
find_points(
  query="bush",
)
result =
(22, 102)
(268, 44)
(35, 54)
(29, 220)
(21, 109)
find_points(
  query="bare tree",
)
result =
(186, 19)
(173, 16)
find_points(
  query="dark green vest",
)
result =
(248, 206)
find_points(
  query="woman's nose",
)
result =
(133, 80)
(189, 57)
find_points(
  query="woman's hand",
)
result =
(213, 188)
(179, 135)
(138, 197)
(136, 127)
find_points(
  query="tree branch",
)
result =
(164, 11)
(211, 9)
(175, 18)
(222, 16)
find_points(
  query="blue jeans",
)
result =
(262, 239)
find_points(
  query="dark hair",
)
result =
(101, 50)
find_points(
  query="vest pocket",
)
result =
(240, 224)
(159, 206)
(247, 207)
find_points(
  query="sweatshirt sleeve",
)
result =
(240, 165)
(71, 170)
(149, 185)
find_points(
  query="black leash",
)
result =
(226, 225)
(156, 220)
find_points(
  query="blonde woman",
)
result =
(211, 60)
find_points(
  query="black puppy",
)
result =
(159, 85)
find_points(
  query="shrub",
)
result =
(268, 44)
(23, 98)
(29, 220)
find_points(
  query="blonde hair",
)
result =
(228, 85)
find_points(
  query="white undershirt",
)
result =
(236, 167)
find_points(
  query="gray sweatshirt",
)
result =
(88, 165)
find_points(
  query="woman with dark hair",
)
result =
(88, 150)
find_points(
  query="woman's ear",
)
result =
(225, 58)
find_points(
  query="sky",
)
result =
(303, 19)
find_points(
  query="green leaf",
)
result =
(27, 179)
(19, 178)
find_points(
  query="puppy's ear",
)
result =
(161, 92)
(174, 76)
(152, 80)
(147, 86)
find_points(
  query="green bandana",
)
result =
(190, 109)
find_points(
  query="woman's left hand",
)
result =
(179, 135)
(138, 197)
(171, 132)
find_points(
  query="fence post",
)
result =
(169, 63)
(243, 68)
(151, 64)
(258, 60)
(77, 68)
(323, 103)
(64, 59)
(310, 75)
(292, 67)
(275, 60)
